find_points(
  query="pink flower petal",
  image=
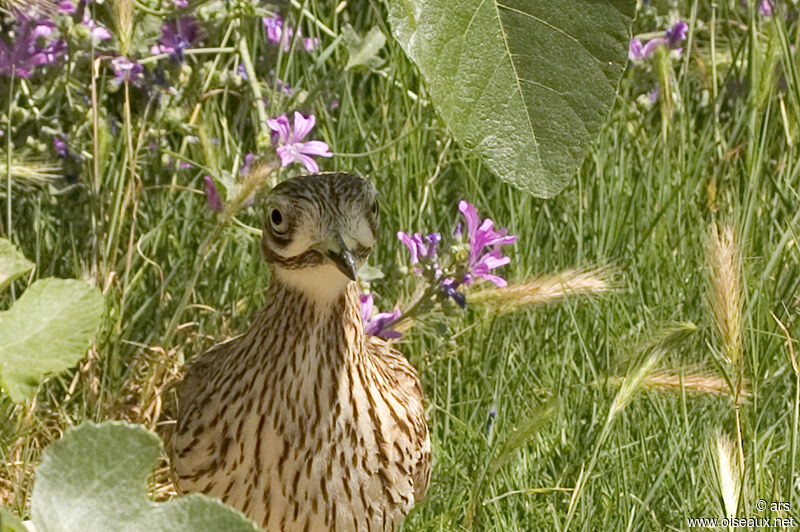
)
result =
(286, 154)
(280, 125)
(471, 214)
(310, 164)
(302, 125)
(314, 147)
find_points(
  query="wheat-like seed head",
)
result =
(544, 289)
(261, 173)
(31, 172)
(700, 382)
(728, 474)
(29, 7)
(123, 12)
(725, 298)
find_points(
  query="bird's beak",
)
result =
(343, 258)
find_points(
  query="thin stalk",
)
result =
(264, 134)
(97, 211)
(578, 491)
(740, 452)
(714, 80)
(8, 164)
(189, 51)
(132, 173)
(205, 248)
(795, 415)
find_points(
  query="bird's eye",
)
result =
(279, 224)
(375, 208)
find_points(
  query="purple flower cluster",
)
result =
(127, 71)
(288, 138)
(32, 47)
(482, 236)
(61, 147)
(420, 247)
(377, 324)
(176, 36)
(98, 32)
(66, 7)
(671, 39)
(280, 33)
(485, 253)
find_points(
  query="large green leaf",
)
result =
(526, 83)
(47, 330)
(10, 523)
(12, 263)
(93, 480)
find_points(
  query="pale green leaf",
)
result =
(47, 330)
(10, 523)
(93, 480)
(363, 51)
(526, 84)
(12, 263)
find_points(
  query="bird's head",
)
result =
(319, 230)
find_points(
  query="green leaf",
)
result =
(93, 480)
(363, 51)
(526, 84)
(12, 263)
(10, 523)
(47, 330)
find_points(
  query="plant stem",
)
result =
(263, 131)
(8, 165)
(205, 248)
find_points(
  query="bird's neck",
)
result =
(325, 328)
(303, 352)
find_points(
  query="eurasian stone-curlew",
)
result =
(303, 422)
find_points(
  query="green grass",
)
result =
(643, 201)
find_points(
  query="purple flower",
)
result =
(480, 236)
(213, 196)
(248, 160)
(274, 27)
(765, 8)
(176, 36)
(421, 247)
(53, 52)
(671, 38)
(376, 325)
(288, 139)
(181, 3)
(99, 33)
(126, 71)
(280, 33)
(60, 146)
(677, 33)
(242, 72)
(652, 96)
(282, 86)
(66, 7)
(28, 51)
(450, 288)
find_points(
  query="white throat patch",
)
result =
(322, 284)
